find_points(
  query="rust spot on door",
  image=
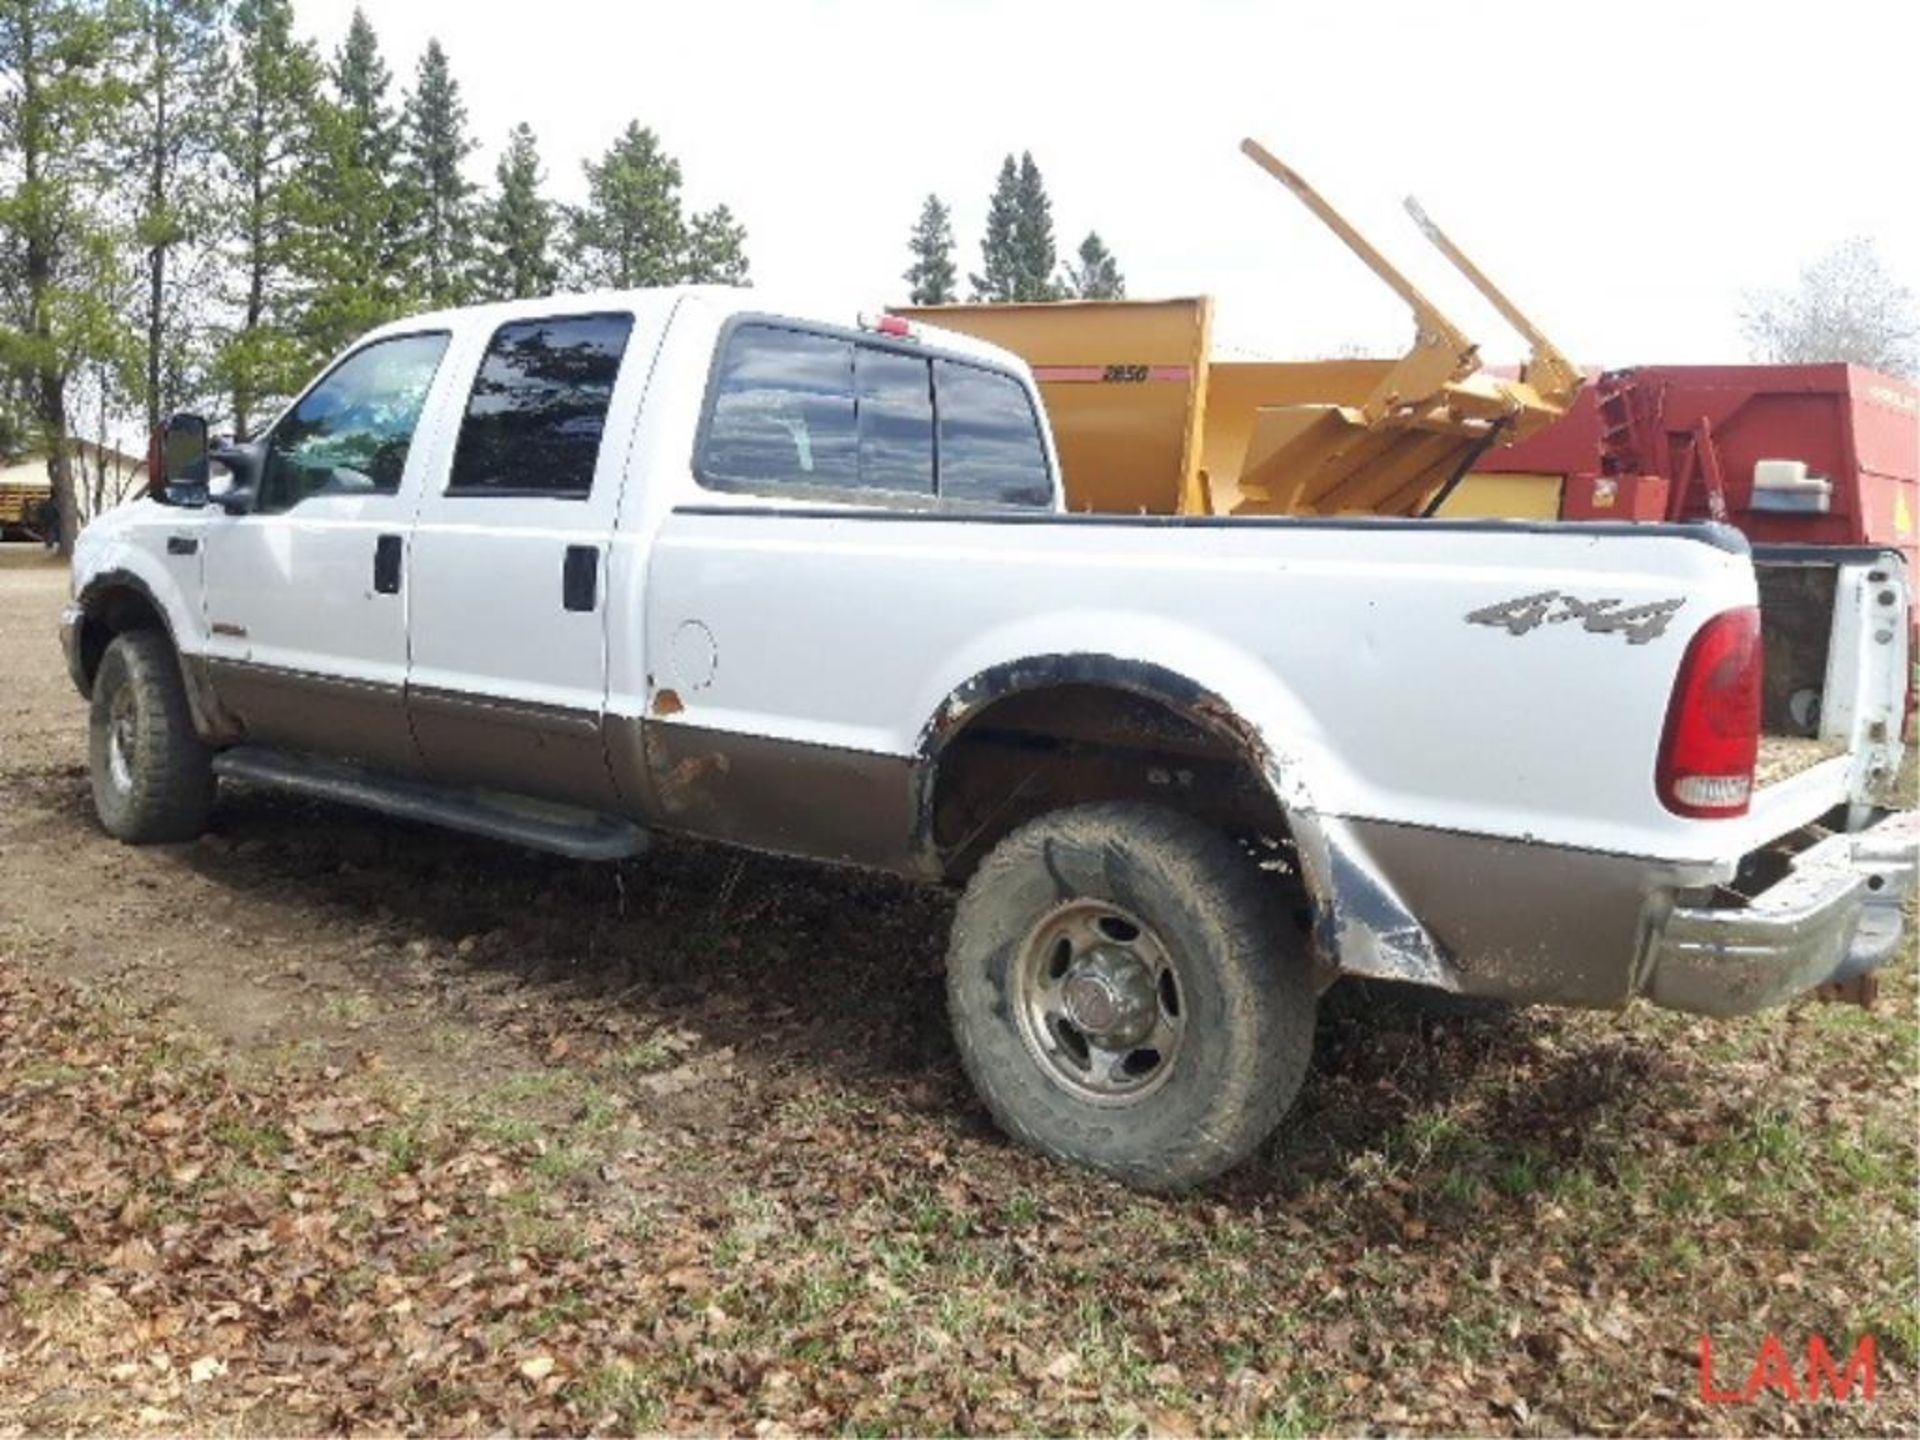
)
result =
(668, 702)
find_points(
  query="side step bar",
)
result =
(557, 829)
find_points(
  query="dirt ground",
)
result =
(332, 1123)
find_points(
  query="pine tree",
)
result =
(361, 79)
(516, 226)
(1033, 236)
(1017, 253)
(176, 65)
(264, 144)
(931, 276)
(999, 279)
(1097, 276)
(716, 249)
(630, 232)
(59, 271)
(353, 223)
(438, 198)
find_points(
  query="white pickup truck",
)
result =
(572, 571)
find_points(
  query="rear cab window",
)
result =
(800, 412)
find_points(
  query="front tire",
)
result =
(1127, 994)
(152, 776)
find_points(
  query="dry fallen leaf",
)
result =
(538, 1368)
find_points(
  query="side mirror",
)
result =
(178, 460)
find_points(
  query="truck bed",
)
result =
(1784, 756)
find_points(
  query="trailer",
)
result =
(1788, 454)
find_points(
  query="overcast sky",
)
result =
(1626, 170)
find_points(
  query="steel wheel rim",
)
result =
(1100, 1003)
(122, 730)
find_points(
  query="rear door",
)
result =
(508, 634)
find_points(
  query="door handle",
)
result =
(386, 565)
(580, 577)
(182, 545)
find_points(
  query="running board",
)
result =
(557, 829)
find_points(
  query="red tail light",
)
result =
(1712, 738)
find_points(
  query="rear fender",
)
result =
(1361, 925)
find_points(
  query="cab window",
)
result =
(539, 406)
(783, 412)
(350, 434)
(799, 411)
(990, 450)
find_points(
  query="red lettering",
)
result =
(1772, 1370)
(1708, 1394)
(1861, 1367)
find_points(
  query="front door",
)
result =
(507, 686)
(306, 605)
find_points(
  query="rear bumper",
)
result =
(1835, 915)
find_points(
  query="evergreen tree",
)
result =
(1097, 276)
(176, 64)
(716, 249)
(59, 272)
(264, 144)
(1033, 235)
(931, 276)
(361, 78)
(516, 226)
(630, 232)
(437, 201)
(999, 279)
(1017, 254)
(351, 216)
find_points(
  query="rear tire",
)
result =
(152, 776)
(1128, 994)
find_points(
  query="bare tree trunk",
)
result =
(156, 205)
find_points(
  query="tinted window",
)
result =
(783, 411)
(990, 446)
(895, 420)
(350, 434)
(539, 405)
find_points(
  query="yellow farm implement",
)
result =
(1147, 421)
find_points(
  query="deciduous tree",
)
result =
(1847, 306)
(60, 272)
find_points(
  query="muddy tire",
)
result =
(1128, 994)
(152, 776)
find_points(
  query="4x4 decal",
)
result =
(1639, 623)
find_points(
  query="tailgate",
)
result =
(1837, 624)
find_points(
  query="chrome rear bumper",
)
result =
(1835, 916)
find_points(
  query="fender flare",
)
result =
(209, 718)
(1360, 923)
(1144, 678)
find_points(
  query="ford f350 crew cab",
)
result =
(574, 571)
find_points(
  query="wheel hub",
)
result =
(1100, 1006)
(1109, 997)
